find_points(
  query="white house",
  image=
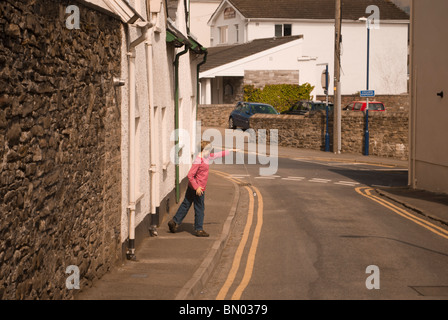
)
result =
(158, 96)
(258, 62)
(242, 21)
(200, 13)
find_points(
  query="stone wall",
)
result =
(388, 132)
(262, 78)
(60, 170)
(215, 115)
(393, 103)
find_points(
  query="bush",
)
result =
(280, 96)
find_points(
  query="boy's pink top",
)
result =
(198, 174)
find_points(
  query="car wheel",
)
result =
(231, 124)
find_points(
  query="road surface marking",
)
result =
(340, 162)
(253, 250)
(293, 179)
(427, 225)
(320, 180)
(352, 182)
(347, 183)
(239, 252)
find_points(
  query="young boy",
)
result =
(197, 182)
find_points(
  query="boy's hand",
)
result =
(199, 191)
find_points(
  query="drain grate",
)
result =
(431, 291)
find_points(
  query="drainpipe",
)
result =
(132, 156)
(176, 118)
(154, 146)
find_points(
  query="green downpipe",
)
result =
(176, 119)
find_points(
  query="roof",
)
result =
(315, 9)
(221, 55)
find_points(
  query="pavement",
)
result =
(177, 266)
(174, 266)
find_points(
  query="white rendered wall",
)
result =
(388, 55)
(200, 13)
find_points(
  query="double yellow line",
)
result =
(240, 250)
(367, 192)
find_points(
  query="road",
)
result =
(318, 230)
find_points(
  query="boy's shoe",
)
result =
(173, 226)
(201, 233)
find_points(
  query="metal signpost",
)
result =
(327, 111)
(367, 94)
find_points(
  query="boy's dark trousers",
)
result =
(199, 209)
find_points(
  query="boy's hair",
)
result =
(204, 144)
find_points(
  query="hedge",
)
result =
(280, 96)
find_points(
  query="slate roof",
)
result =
(221, 55)
(315, 9)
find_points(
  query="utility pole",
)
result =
(337, 79)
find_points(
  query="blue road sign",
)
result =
(368, 93)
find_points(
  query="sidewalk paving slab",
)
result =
(173, 266)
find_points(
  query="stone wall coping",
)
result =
(345, 113)
(216, 105)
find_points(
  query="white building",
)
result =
(200, 13)
(242, 21)
(158, 96)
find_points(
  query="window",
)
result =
(246, 109)
(283, 30)
(376, 106)
(223, 34)
(287, 30)
(278, 30)
(165, 141)
(237, 33)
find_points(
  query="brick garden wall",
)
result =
(60, 170)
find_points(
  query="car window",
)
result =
(295, 107)
(306, 106)
(320, 106)
(376, 107)
(246, 108)
(261, 108)
(358, 106)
